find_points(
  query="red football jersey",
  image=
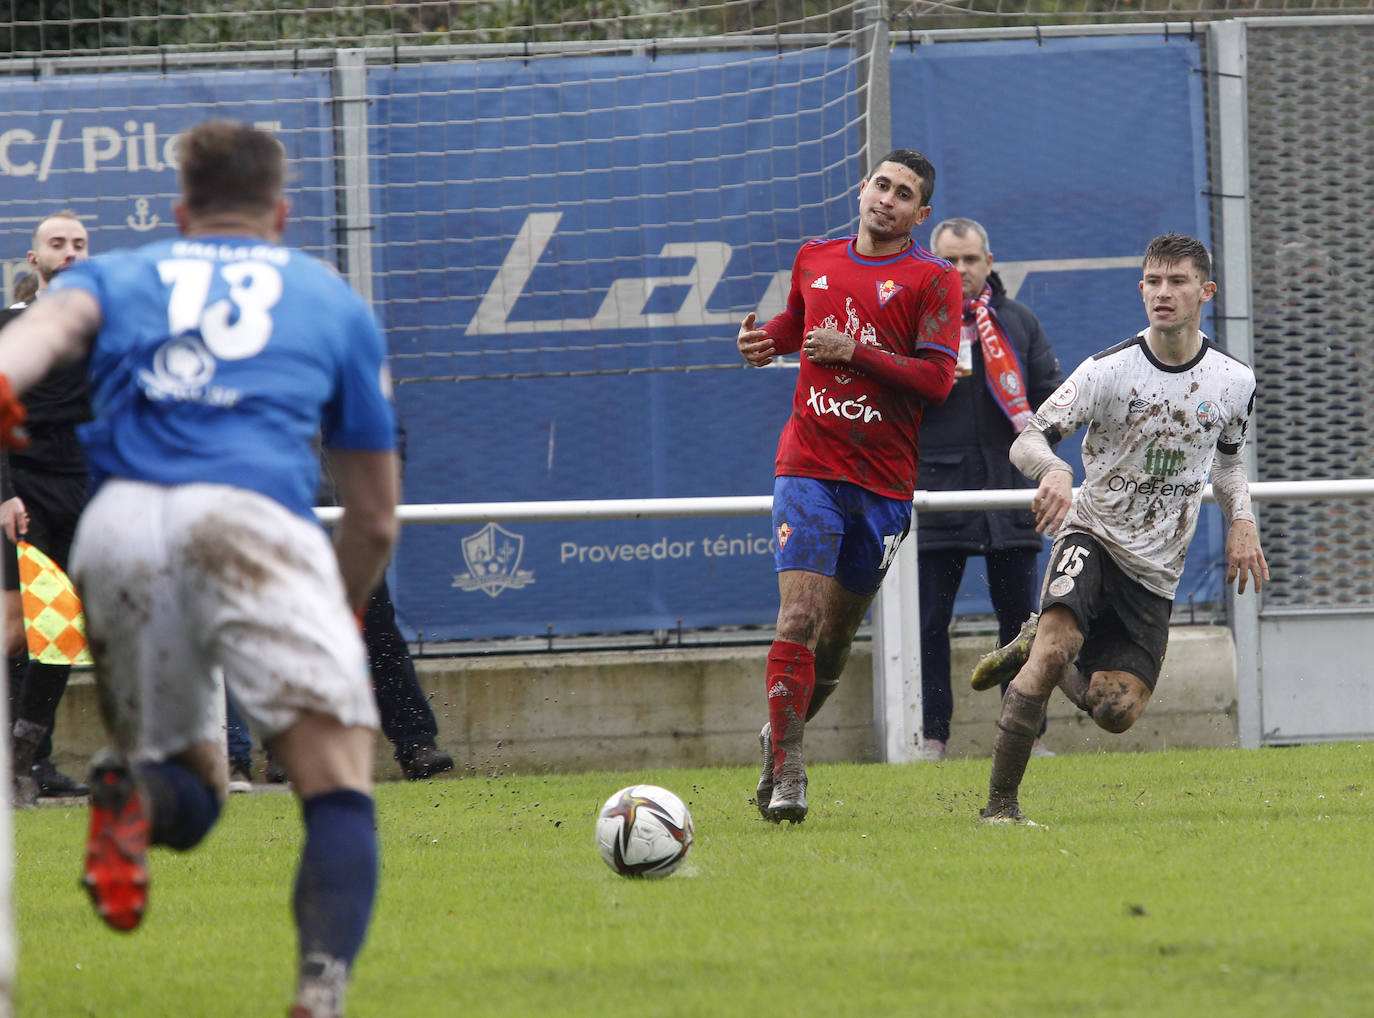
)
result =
(858, 422)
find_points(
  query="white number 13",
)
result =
(254, 289)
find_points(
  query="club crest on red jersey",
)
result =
(887, 289)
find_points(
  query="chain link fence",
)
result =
(1311, 202)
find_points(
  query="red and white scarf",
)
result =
(1006, 381)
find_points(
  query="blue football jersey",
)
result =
(219, 360)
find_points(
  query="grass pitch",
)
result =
(1215, 883)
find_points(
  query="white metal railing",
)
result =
(761, 505)
(896, 657)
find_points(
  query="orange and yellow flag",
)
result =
(53, 619)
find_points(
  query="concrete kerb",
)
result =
(702, 706)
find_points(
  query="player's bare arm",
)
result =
(1244, 556)
(828, 346)
(754, 345)
(369, 487)
(56, 330)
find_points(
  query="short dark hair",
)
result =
(917, 164)
(228, 166)
(1175, 247)
(59, 214)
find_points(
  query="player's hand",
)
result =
(14, 518)
(828, 346)
(1052, 500)
(12, 417)
(1244, 557)
(755, 345)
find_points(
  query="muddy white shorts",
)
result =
(184, 584)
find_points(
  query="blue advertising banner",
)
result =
(560, 258)
(105, 145)
(564, 249)
(545, 259)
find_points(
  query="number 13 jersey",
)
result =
(220, 359)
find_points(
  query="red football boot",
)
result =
(116, 875)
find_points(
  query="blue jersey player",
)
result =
(215, 360)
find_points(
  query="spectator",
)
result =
(407, 720)
(25, 288)
(1005, 367)
(42, 492)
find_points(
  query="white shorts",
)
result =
(190, 586)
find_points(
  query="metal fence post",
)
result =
(898, 720)
(1227, 40)
(355, 246)
(876, 95)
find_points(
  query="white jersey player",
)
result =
(1162, 411)
(1153, 431)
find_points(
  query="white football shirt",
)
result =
(1153, 430)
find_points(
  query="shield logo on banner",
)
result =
(492, 556)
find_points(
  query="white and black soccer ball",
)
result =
(644, 831)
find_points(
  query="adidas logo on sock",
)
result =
(778, 689)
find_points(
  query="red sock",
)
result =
(789, 680)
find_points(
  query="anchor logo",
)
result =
(144, 222)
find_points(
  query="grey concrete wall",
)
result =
(1194, 704)
(704, 706)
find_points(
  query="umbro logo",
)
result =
(778, 689)
(1137, 406)
(820, 284)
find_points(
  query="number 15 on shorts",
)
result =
(1071, 560)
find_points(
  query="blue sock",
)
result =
(184, 807)
(337, 879)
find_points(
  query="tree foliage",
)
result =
(104, 26)
(39, 27)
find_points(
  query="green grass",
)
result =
(1214, 883)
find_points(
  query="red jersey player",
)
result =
(876, 318)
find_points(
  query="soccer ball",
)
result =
(644, 831)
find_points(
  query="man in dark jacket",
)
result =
(407, 718)
(42, 491)
(1006, 369)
